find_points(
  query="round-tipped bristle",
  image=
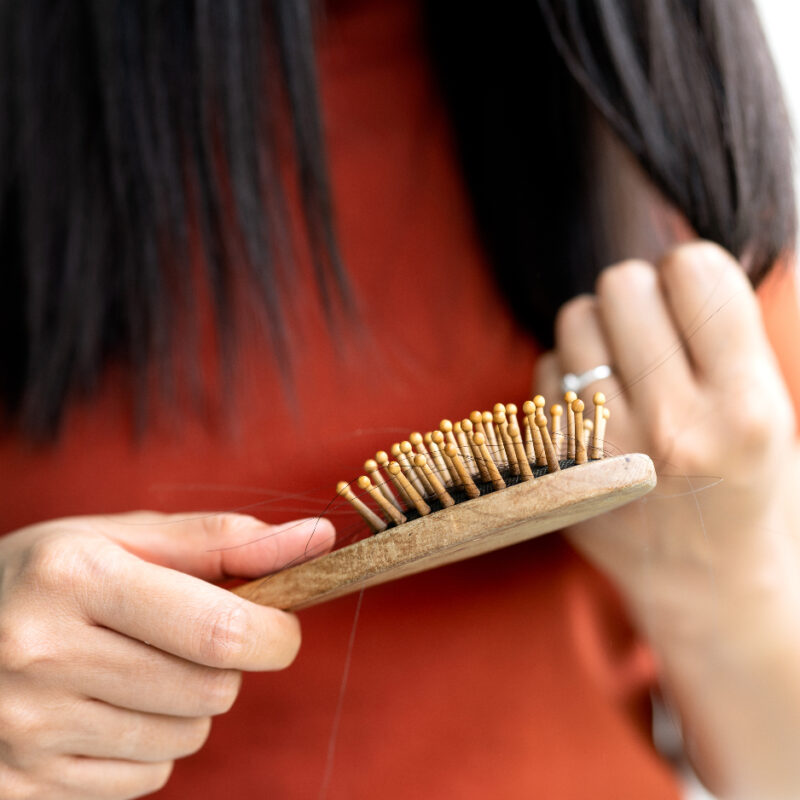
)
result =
(475, 449)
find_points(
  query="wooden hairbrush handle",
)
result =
(486, 523)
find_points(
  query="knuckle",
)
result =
(625, 275)
(682, 447)
(698, 251)
(570, 319)
(23, 647)
(664, 434)
(52, 562)
(59, 562)
(219, 691)
(223, 634)
(223, 527)
(24, 730)
(685, 260)
(674, 443)
(14, 785)
(753, 431)
(756, 416)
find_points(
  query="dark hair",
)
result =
(125, 123)
(688, 86)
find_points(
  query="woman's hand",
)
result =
(696, 387)
(113, 660)
(712, 576)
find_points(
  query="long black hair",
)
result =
(687, 85)
(126, 123)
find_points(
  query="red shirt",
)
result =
(513, 675)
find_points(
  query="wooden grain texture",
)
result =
(468, 529)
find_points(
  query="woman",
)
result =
(162, 349)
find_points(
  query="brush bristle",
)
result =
(481, 453)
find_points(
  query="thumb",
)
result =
(216, 546)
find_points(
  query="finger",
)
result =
(548, 384)
(714, 306)
(187, 617)
(218, 546)
(648, 351)
(129, 674)
(78, 778)
(581, 343)
(98, 730)
(16, 784)
(548, 377)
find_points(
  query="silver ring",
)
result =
(577, 383)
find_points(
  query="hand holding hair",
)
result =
(710, 577)
(113, 660)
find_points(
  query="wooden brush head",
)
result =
(466, 489)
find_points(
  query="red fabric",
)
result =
(780, 302)
(514, 675)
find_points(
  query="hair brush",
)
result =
(465, 489)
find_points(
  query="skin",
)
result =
(712, 578)
(112, 664)
(116, 651)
